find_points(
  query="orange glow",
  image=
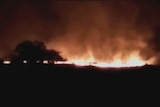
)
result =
(45, 62)
(81, 62)
(6, 62)
(132, 61)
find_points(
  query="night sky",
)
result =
(76, 28)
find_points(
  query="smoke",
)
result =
(104, 30)
(25, 20)
(107, 30)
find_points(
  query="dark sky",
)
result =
(79, 27)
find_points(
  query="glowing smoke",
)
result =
(104, 31)
(100, 30)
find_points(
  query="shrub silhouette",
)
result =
(34, 51)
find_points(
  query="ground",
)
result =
(49, 85)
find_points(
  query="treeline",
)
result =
(33, 52)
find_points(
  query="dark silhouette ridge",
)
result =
(33, 51)
(1, 61)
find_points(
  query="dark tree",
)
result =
(34, 51)
(53, 55)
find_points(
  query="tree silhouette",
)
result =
(34, 51)
(53, 55)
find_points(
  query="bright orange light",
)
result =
(63, 62)
(6, 62)
(132, 61)
(82, 62)
(45, 62)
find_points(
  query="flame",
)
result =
(132, 61)
(104, 38)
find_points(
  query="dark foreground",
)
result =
(50, 85)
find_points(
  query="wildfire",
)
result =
(132, 61)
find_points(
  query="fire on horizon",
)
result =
(132, 61)
(98, 33)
